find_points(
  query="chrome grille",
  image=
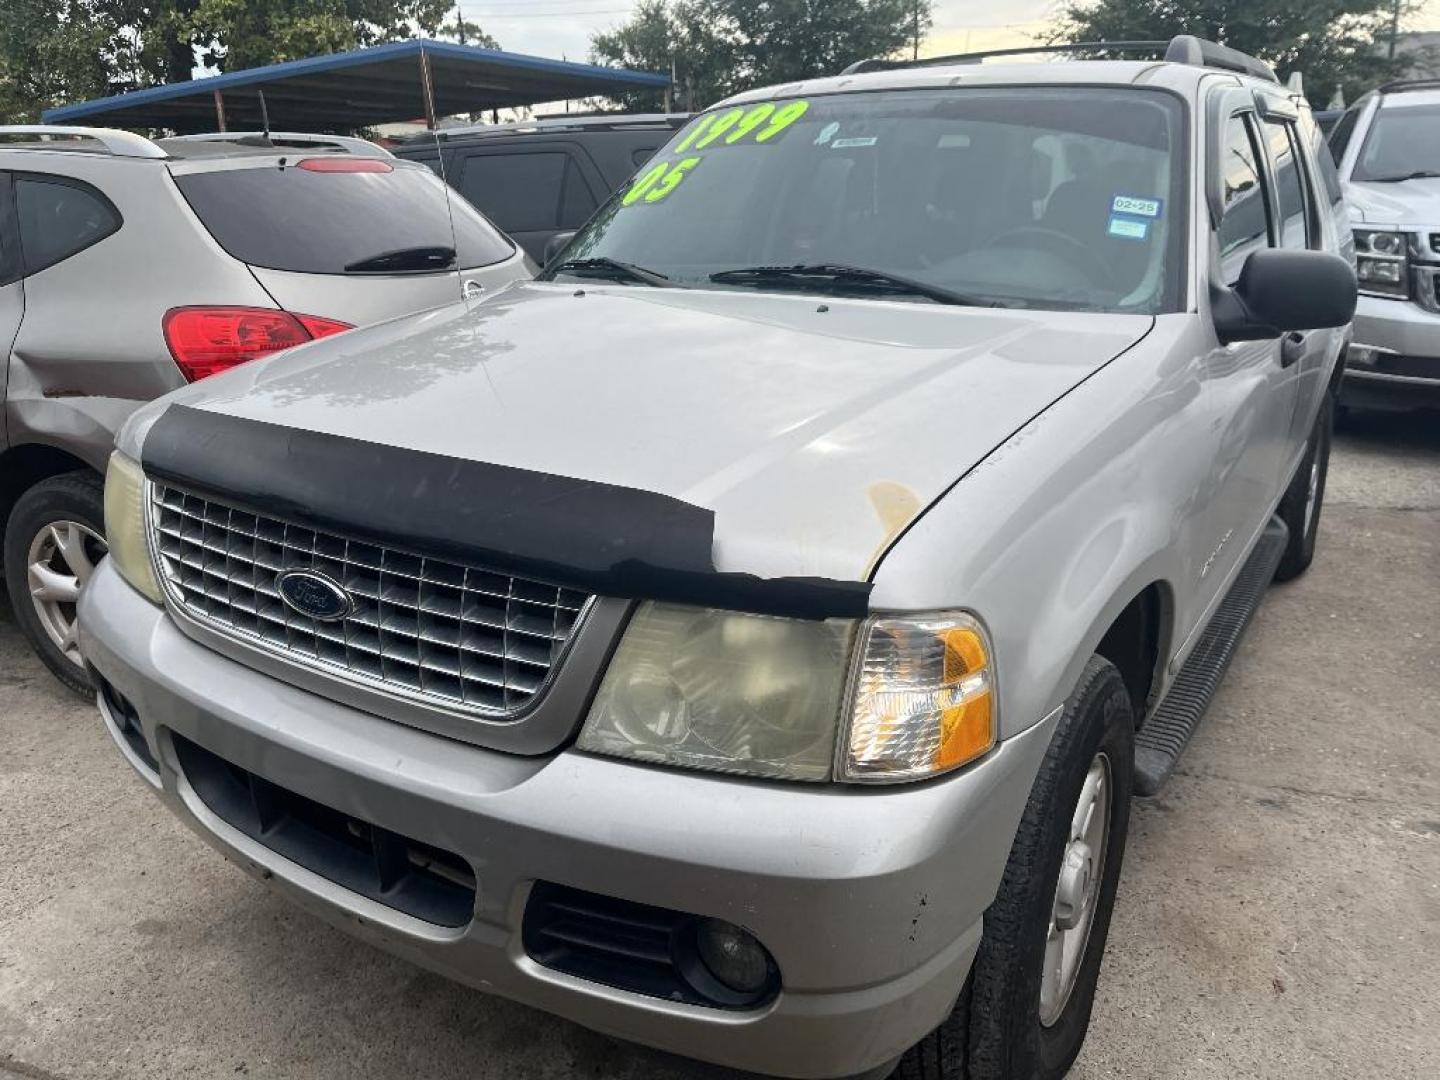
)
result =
(1435, 242)
(459, 636)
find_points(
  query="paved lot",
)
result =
(1279, 914)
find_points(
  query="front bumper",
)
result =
(869, 900)
(1396, 354)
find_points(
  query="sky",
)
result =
(562, 28)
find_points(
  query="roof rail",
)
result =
(859, 67)
(281, 139)
(1184, 49)
(1188, 49)
(1409, 84)
(116, 142)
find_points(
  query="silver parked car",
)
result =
(1388, 147)
(129, 267)
(747, 638)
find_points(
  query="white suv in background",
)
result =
(1387, 146)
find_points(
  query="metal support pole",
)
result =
(219, 111)
(428, 88)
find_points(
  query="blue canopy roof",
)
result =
(344, 91)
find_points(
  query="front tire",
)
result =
(1304, 498)
(1026, 1007)
(53, 540)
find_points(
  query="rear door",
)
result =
(531, 187)
(354, 239)
(12, 288)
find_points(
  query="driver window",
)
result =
(1245, 226)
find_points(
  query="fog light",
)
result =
(733, 956)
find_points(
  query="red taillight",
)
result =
(207, 340)
(343, 164)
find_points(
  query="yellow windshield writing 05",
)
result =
(757, 123)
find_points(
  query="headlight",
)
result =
(1381, 266)
(765, 696)
(723, 691)
(125, 525)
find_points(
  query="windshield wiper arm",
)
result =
(840, 274)
(402, 260)
(1418, 174)
(602, 266)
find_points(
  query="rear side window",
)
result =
(59, 218)
(1288, 183)
(528, 192)
(318, 222)
(1324, 161)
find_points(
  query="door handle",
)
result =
(1292, 347)
(471, 289)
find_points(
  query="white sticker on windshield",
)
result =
(1136, 205)
(840, 144)
(827, 133)
(1128, 228)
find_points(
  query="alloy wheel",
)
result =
(62, 558)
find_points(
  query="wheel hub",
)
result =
(1077, 891)
(61, 559)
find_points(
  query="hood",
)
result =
(1405, 203)
(815, 431)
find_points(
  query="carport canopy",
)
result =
(404, 80)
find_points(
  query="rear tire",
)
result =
(53, 539)
(998, 1030)
(1300, 508)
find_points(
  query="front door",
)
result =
(1252, 385)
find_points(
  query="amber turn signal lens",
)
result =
(922, 700)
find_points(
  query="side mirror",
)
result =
(1282, 291)
(556, 244)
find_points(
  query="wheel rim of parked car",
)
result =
(1077, 891)
(62, 558)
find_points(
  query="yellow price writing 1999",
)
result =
(736, 124)
(763, 121)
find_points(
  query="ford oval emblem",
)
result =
(313, 594)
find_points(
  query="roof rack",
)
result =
(561, 122)
(1409, 84)
(880, 64)
(1184, 49)
(58, 137)
(1188, 49)
(261, 140)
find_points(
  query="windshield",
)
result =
(1024, 197)
(1403, 140)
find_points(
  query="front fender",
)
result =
(1060, 528)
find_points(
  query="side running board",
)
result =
(1163, 738)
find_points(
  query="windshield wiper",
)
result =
(405, 260)
(832, 274)
(615, 270)
(1418, 174)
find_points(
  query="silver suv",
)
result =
(128, 267)
(747, 638)
(1388, 147)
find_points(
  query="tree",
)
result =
(51, 50)
(1333, 43)
(720, 47)
(58, 51)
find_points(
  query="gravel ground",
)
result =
(1279, 914)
